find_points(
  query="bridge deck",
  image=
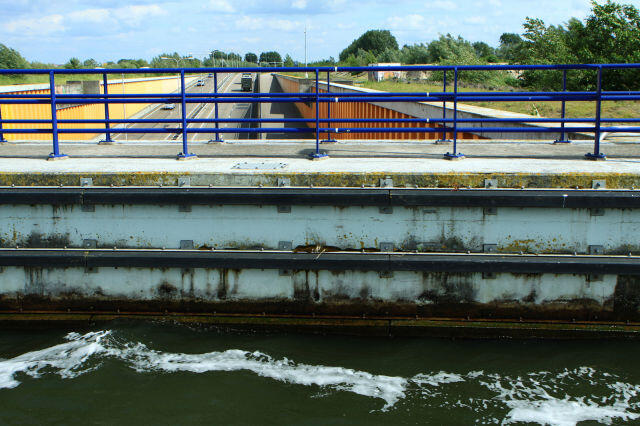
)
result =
(353, 164)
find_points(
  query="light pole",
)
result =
(306, 73)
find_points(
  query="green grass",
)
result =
(620, 109)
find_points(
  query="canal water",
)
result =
(150, 373)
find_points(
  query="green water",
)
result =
(142, 373)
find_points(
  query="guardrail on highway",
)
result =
(328, 125)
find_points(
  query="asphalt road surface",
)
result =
(226, 83)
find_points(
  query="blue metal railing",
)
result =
(453, 125)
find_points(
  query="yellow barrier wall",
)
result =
(83, 112)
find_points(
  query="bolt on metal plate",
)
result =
(281, 182)
(386, 183)
(387, 247)
(88, 243)
(184, 181)
(285, 245)
(86, 182)
(186, 245)
(599, 184)
(489, 248)
(490, 183)
(596, 250)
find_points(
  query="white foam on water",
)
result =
(562, 398)
(437, 378)
(532, 399)
(388, 388)
(70, 360)
(66, 359)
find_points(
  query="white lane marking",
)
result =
(220, 86)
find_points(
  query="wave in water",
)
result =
(547, 398)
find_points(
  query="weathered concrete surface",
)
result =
(537, 165)
(313, 228)
(346, 293)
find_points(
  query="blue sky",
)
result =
(54, 31)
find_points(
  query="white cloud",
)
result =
(134, 15)
(250, 23)
(442, 4)
(34, 27)
(111, 20)
(475, 20)
(220, 6)
(406, 22)
(299, 4)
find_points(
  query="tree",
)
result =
(510, 45)
(374, 41)
(270, 57)
(415, 54)
(251, 57)
(288, 61)
(484, 51)
(10, 58)
(74, 63)
(90, 63)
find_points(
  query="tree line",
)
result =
(610, 34)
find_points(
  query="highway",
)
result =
(226, 83)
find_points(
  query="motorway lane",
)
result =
(223, 85)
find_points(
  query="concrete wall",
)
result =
(426, 229)
(534, 296)
(80, 112)
(414, 110)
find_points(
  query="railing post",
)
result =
(55, 155)
(215, 108)
(2, 139)
(107, 126)
(597, 155)
(329, 138)
(318, 155)
(444, 112)
(563, 138)
(184, 155)
(455, 155)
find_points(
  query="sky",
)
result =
(53, 31)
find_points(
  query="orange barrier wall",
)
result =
(82, 112)
(348, 110)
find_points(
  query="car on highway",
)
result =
(200, 83)
(246, 82)
(210, 75)
(169, 106)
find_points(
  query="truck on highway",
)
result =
(246, 82)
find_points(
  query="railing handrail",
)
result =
(446, 97)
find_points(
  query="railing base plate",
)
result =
(453, 157)
(558, 141)
(54, 157)
(184, 157)
(595, 157)
(220, 140)
(317, 156)
(442, 141)
(329, 141)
